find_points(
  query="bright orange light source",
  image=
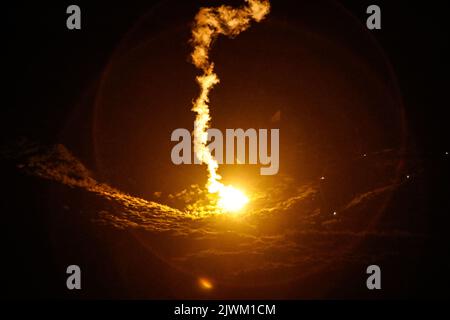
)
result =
(205, 284)
(231, 199)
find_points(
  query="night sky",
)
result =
(364, 165)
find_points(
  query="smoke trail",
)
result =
(209, 24)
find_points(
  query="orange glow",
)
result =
(231, 199)
(205, 284)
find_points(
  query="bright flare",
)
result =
(231, 199)
(209, 24)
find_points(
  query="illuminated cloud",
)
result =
(283, 236)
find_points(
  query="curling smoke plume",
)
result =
(209, 24)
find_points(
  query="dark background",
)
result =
(41, 53)
(48, 68)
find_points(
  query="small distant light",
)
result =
(205, 284)
(365, 155)
(322, 178)
(407, 176)
(334, 213)
(446, 153)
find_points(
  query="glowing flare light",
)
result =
(231, 199)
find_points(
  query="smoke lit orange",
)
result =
(210, 23)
